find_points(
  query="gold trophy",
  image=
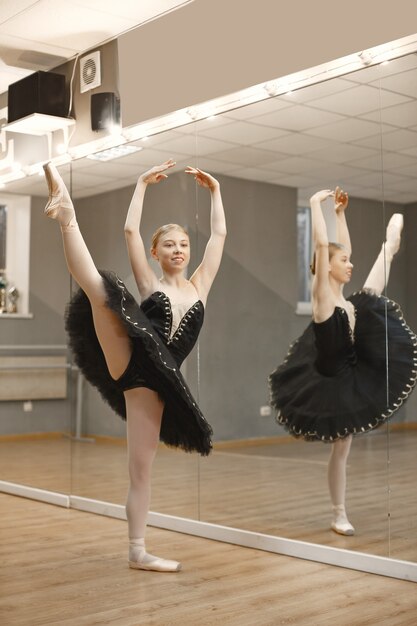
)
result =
(3, 285)
(12, 298)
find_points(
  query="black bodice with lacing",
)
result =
(158, 310)
(156, 358)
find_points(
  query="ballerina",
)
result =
(132, 353)
(333, 382)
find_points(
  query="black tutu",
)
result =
(155, 362)
(332, 385)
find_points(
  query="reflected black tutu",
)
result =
(154, 363)
(330, 386)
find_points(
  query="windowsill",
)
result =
(16, 316)
(304, 308)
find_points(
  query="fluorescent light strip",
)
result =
(113, 153)
(104, 143)
(8, 178)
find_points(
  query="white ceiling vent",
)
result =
(90, 74)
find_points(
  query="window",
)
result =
(3, 231)
(14, 251)
(304, 257)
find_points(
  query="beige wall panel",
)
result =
(37, 377)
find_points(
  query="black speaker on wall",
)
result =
(40, 92)
(105, 110)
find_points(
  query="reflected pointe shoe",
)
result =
(394, 228)
(340, 523)
(59, 205)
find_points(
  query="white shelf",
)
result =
(16, 316)
(39, 124)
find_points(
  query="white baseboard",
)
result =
(51, 497)
(98, 507)
(383, 566)
(369, 563)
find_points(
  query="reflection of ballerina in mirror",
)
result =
(333, 382)
(132, 353)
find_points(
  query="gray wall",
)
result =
(250, 313)
(49, 291)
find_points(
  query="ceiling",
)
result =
(326, 134)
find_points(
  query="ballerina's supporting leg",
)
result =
(144, 414)
(337, 485)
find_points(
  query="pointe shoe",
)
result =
(155, 564)
(59, 205)
(340, 523)
(343, 528)
(394, 228)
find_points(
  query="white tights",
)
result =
(336, 470)
(144, 413)
(109, 329)
(336, 475)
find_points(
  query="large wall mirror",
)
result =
(358, 131)
(399, 149)
(329, 134)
